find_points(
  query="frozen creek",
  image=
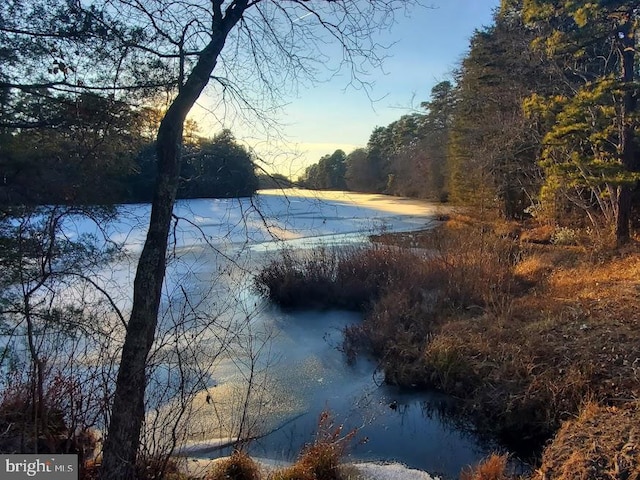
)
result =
(229, 337)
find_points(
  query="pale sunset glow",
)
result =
(425, 47)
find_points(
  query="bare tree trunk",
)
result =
(629, 151)
(127, 416)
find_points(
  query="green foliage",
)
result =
(267, 181)
(565, 236)
(407, 157)
(582, 148)
(493, 145)
(590, 151)
(328, 174)
(218, 168)
(361, 175)
(80, 158)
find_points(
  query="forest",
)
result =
(97, 150)
(540, 120)
(531, 322)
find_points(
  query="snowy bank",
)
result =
(198, 467)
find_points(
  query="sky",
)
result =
(427, 45)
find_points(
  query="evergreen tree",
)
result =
(218, 168)
(591, 153)
(434, 138)
(328, 174)
(493, 147)
(81, 156)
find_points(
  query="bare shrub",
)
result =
(321, 459)
(493, 468)
(46, 426)
(239, 466)
(477, 267)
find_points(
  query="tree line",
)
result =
(76, 79)
(92, 149)
(540, 120)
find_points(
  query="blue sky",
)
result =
(430, 42)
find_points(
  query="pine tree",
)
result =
(590, 150)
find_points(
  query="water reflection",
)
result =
(312, 375)
(216, 335)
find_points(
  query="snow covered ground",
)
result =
(351, 471)
(272, 216)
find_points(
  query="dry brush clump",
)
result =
(466, 269)
(329, 278)
(493, 468)
(306, 281)
(321, 459)
(478, 267)
(46, 423)
(238, 466)
(602, 443)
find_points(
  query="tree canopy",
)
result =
(328, 173)
(591, 155)
(134, 51)
(541, 120)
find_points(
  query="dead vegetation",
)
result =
(239, 466)
(493, 468)
(320, 460)
(523, 325)
(601, 443)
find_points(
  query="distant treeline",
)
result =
(407, 157)
(97, 150)
(541, 119)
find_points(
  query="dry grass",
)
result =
(522, 333)
(238, 466)
(523, 376)
(325, 278)
(566, 330)
(602, 443)
(542, 235)
(317, 462)
(403, 292)
(493, 468)
(321, 459)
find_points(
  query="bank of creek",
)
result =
(293, 359)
